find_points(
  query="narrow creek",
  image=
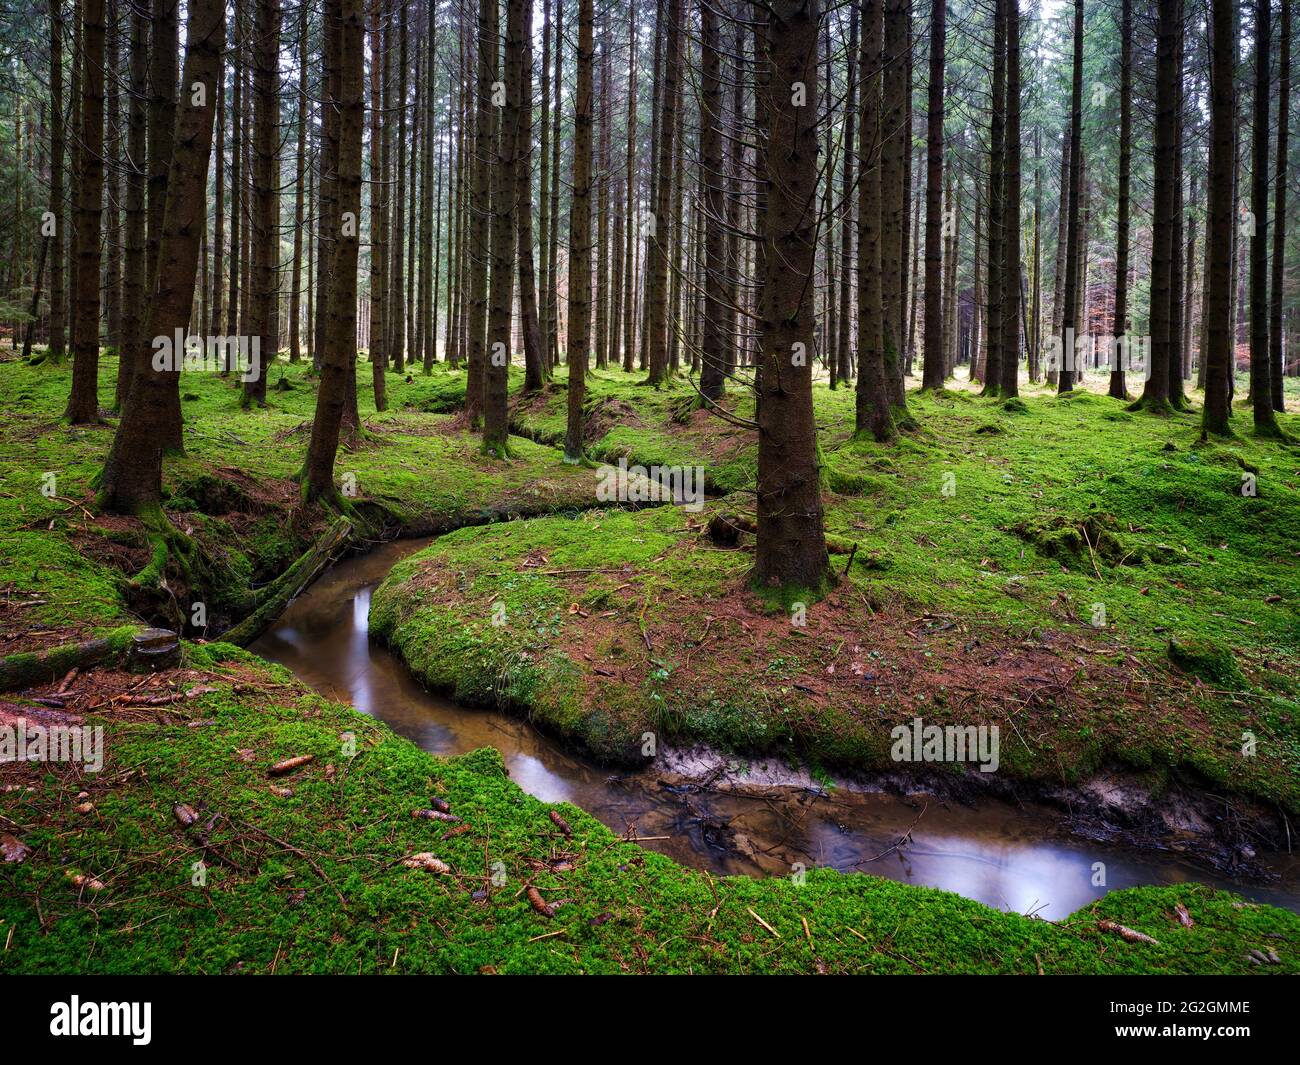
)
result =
(1008, 856)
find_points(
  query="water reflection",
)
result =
(1006, 856)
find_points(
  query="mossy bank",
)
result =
(194, 851)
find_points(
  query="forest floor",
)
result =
(970, 600)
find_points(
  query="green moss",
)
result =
(1215, 563)
(1076, 539)
(313, 881)
(1206, 660)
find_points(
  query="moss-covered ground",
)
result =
(305, 873)
(1101, 584)
(970, 598)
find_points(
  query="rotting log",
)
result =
(44, 667)
(276, 596)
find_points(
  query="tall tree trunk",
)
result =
(113, 199)
(1119, 322)
(83, 403)
(135, 267)
(266, 198)
(378, 196)
(345, 23)
(309, 328)
(545, 219)
(1155, 396)
(1009, 352)
(1177, 398)
(218, 245)
(1261, 390)
(713, 345)
(630, 212)
(505, 171)
(1062, 247)
(1277, 347)
(790, 552)
(1073, 268)
(535, 373)
(676, 223)
(933, 371)
(456, 279)
(553, 254)
(602, 200)
(977, 372)
(662, 218)
(35, 305)
(428, 305)
(396, 316)
(132, 480)
(326, 191)
(895, 200)
(71, 287)
(843, 355)
(1189, 285)
(1220, 221)
(237, 198)
(951, 242)
(1035, 344)
(164, 52)
(58, 251)
(872, 407)
(997, 234)
(481, 211)
(299, 191)
(579, 334)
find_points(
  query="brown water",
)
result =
(1008, 856)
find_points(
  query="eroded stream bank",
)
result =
(1009, 856)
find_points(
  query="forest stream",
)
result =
(1009, 856)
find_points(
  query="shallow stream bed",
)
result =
(1009, 856)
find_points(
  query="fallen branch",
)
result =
(1126, 933)
(276, 596)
